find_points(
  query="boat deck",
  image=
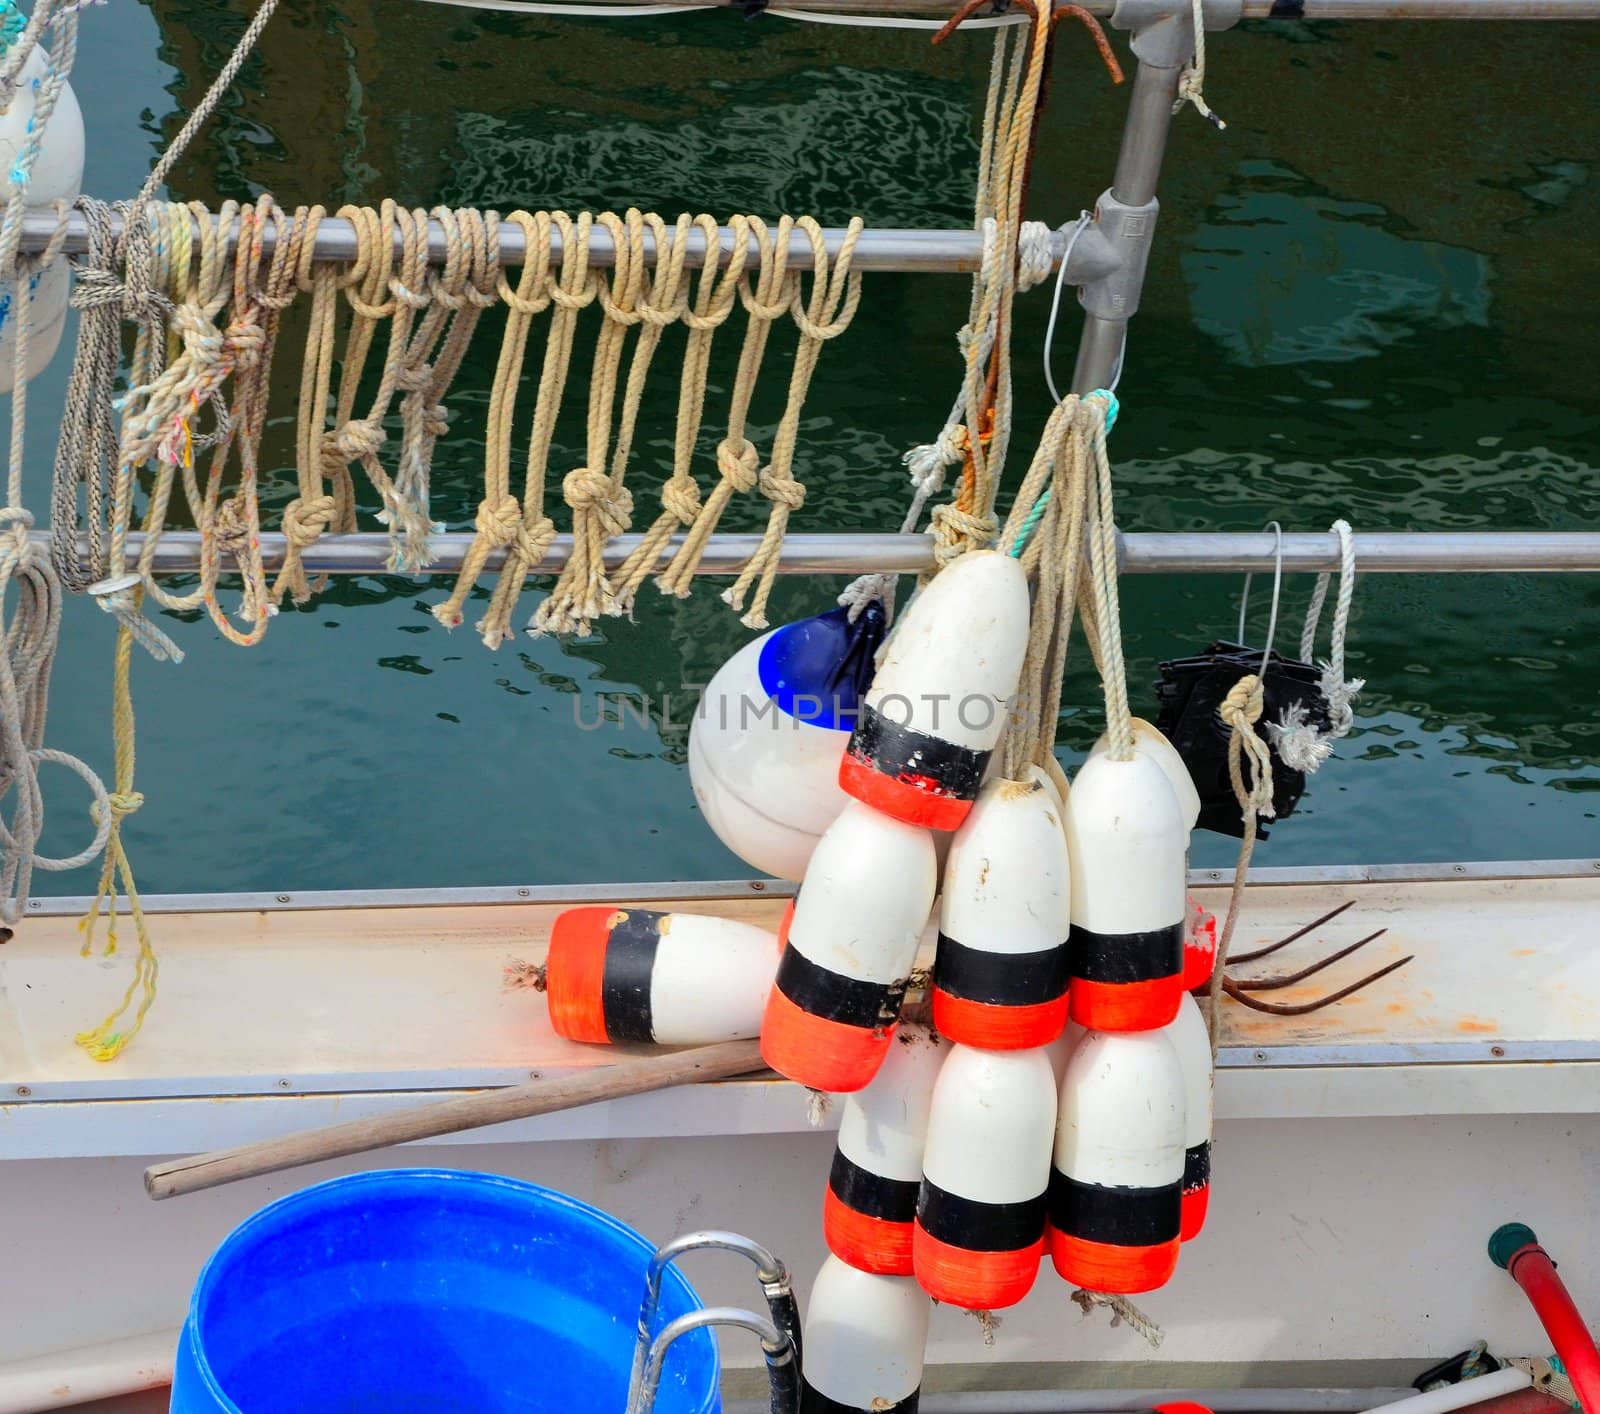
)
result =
(281, 1012)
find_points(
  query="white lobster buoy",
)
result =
(57, 175)
(942, 694)
(1151, 742)
(872, 1188)
(851, 940)
(1191, 1038)
(865, 1338)
(765, 745)
(1116, 1183)
(1000, 974)
(1128, 843)
(985, 1172)
(678, 979)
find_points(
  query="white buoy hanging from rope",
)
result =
(871, 1200)
(1128, 844)
(1191, 1038)
(985, 1171)
(849, 945)
(56, 175)
(865, 1339)
(942, 694)
(765, 744)
(1000, 974)
(1116, 1181)
(1151, 742)
(677, 979)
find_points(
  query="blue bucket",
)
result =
(430, 1289)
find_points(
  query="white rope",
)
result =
(1191, 82)
(1299, 742)
(1035, 254)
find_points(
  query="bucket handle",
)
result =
(783, 1369)
(776, 1285)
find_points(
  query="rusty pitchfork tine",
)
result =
(968, 10)
(1286, 1009)
(1292, 938)
(1288, 979)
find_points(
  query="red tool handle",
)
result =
(1515, 1248)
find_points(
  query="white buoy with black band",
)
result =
(677, 979)
(1000, 973)
(985, 1172)
(865, 1340)
(942, 693)
(1116, 1181)
(1192, 1039)
(851, 940)
(1128, 844)
(771, 728)
(871, 1201)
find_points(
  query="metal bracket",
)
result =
(1163, 30)
(1123, 232)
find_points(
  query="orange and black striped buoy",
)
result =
(1000, 973)
(678, 979)
(1116, 1180)
(985, 1170)
(847, 955)
(1128, 845)
(871, 1201)
(1191, 1038)
(942, 694)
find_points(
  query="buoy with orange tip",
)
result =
(1116, 1180)
(1000, 973)
(1191, 1038)
(865, 1340)
(766, 741)
(677, 979)
(1128, 843)
(851, 940)
(985, 1171)
(942, 693)
(871, 1199)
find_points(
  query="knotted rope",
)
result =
(835, 295)
(1300, 744)
(714, 301)
(766, 297)
(1191, 82)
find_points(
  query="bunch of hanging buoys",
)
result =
(1056, 1100)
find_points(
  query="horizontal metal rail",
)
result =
(1253, 9)
(909, 251)
(1140, 552)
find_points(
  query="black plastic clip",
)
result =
(1469, 1364)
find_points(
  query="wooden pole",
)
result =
(634, 1076)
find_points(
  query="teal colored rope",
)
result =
(1113, 407)
(12, 23)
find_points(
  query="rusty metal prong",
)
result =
(1292, 938)
(1286, 1009)
(1288, 979)
(1090, 23)
(970, 8)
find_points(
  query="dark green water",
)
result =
(1376, 295)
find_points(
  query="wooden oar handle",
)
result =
(634, 1076)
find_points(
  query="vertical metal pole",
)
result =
(1144, 144)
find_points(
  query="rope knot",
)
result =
(956, 531)
(95, 289)
(498, 521)
(359, 439)
(782, 488)
(595, 492)
(435, 419)
(926, 464)
(119, 804)
(1241, 709)
(245, 340)
(681, 500)
(304, 521)
(532, 542)
(739, 462)
(414, 377)
(407, 296)
(201, 337)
